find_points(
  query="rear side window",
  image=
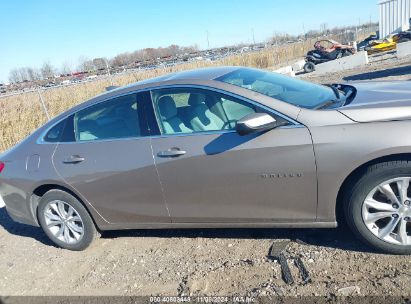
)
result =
(61, 132)
(55, 133)
(121, 117)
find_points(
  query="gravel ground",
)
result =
(209, 261)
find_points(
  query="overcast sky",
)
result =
(62, 31)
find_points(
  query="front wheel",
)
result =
(378, 207)
(309, 67)
(66, 221)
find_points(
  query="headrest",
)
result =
(196, 99)
(167, 107)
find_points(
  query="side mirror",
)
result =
(255, 122)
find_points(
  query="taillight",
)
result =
(2, 165)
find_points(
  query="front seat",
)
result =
(201, 118)
(171, 122)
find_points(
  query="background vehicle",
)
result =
(366, 42)
(403, 36)
(326, 50)
(385, 45)
(219, 147)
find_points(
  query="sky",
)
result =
(61, 32)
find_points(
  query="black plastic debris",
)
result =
(277, 248)
(305, 275)
(285, 270)
(276, 252)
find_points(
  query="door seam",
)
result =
(159, 180)
(316, 173)
(68, 184)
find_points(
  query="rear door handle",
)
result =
(172, 152)
(74, 159)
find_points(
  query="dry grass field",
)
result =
(22, 114)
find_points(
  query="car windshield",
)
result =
(295, 91)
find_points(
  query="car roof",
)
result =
(209, 73)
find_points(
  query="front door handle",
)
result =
(172, 152)
(74, 159)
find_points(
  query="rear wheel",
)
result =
(347, 52)
(65, 220)
(378, 208)
(309, 67)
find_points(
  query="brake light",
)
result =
(2, 165)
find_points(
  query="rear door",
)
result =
(109, 161)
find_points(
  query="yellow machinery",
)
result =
(378, 46)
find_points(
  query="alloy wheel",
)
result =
(64, 222)
(386, 211)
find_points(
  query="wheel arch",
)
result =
(40, 190)
(355, 174)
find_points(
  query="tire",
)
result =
(347, 53)
(387, 175)
(66, 221)
(309, 67)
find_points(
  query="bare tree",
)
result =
(67, 67)
(23, 74)
(14, 76)
(121, 60)
(47, 70)
(85, 64)
(174, 49)
(100, 63)
(323, 28)
(150, 53)
(33, 74)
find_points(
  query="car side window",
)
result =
(120, 117)
(235, 110)
(55, 133)
(61, 132)
(188, 110)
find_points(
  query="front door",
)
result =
(209, 173)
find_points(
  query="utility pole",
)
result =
(208, 41)
(304, 30)
(108, 72)
(43, 104)
(252, 31)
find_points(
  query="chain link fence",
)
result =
(23, 112)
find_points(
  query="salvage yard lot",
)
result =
(206, 261)
(195, 262)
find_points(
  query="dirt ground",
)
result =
(209, 261)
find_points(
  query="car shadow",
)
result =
(23, 230)
(340, 238)
(226, 142)
(399, 71)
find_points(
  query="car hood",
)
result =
(380, 101)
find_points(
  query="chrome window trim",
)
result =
(216, 132)
(294, 123)
(100, 140)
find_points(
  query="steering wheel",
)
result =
(228, 123)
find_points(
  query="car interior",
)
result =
(179, 111)
(198, 112)
(280, 87)
(115, 119)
